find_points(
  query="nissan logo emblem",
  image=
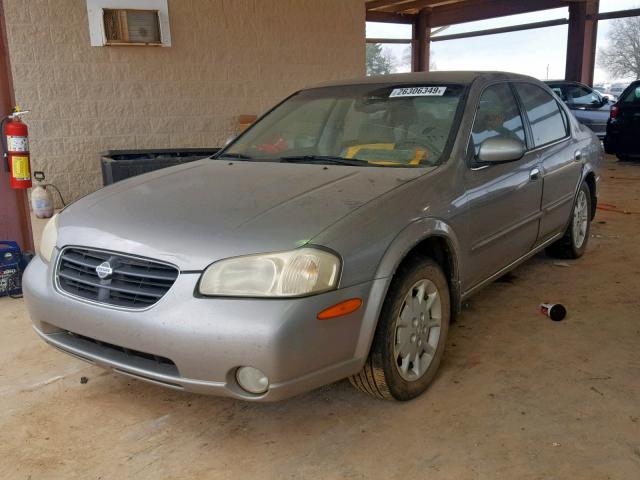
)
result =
(104, 270)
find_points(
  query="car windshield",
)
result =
(367, 125)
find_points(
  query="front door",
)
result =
(503, 200)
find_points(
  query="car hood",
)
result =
(195, 214)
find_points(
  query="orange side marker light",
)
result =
(340, 309)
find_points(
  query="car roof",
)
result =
(461, 77)
(565, 82)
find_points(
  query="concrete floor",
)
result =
(518, 396)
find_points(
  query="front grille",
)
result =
(133, 282)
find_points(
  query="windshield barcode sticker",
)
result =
(418, 92)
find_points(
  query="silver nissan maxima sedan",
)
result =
(337, 237)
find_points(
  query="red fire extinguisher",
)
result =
(15, 143)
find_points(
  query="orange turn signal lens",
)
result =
(340, 309)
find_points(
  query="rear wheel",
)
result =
(574, 242)
(410, 338)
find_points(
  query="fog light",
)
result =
(252, 380)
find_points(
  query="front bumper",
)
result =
(197, 344)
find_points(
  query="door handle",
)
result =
(534, 174)
(577, 156)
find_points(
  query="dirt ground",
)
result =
(518, 396)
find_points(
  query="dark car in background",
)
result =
(589, 106)
(623, 128)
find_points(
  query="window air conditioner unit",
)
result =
(131, 27)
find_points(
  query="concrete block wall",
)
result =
(228, 57)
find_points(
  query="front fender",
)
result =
(408, 238)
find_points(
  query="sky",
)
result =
(538, 52)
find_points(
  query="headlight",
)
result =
(288, 274)
(49, 238)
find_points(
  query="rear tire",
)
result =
(411, 334)
(574, 242)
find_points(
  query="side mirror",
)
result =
(605, 100)
(500, 150)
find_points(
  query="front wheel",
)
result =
(410, 338)
(574, 242)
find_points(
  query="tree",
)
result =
(379, 61)
(621, 58)
(408, 59)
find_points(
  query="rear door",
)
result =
(559, 157)
(503, 199)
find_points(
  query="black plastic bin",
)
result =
(121, 164)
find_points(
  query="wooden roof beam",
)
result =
(378, 4)
(386, 17)
(471, 11)
(417, 5)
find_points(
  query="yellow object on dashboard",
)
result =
(352, 152)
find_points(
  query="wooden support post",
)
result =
(15, 220)
(581, 41)
(421, 42)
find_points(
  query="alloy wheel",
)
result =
(580, 220)
(417, 331)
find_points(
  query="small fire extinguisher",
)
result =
(15, 145)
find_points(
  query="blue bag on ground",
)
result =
(12, 264)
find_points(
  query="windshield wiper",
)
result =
(239, 156)
(326, 159)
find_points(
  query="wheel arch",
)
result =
(430, 237)
(439, 248)
(590, 180)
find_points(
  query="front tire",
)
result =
(574, 242)
(410, 337)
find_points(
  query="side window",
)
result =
(545, 117)
(581, 96)
(633, 97)
(497, 115)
